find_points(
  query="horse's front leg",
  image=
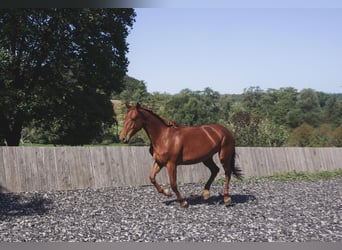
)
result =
(155, 170)
(172, 171)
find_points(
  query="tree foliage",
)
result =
(275, 117)
(301, 136)
(337, 136)
(58, 70)
(194, 107)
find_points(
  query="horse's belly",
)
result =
(197, 152)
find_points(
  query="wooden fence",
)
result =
(66, 168)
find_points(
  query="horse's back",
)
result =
(201, 142)
(214, 131)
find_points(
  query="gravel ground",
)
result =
(262, 210)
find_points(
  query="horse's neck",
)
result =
(154, 127)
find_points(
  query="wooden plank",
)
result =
(85, 178)
(242, 161)
(138, 164)
(271, 156)
(288, 162)
(50, 162)
(19, 166)
(323, 160)
(42, 171)
(33, 179)
(199, 172)
(125, 164)
(333, 158)
(136, 174)
(266, 157)
(256, 160)
(298, 158)
(336, 158)
(292, 156)
(311, 159)
(74, 165)
(3, 182)
(100, 169)
(12, 178)
(283, 161)
(116, 166)
(63, 169)
(106, 168)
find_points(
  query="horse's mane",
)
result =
(165, 121)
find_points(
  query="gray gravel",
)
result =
(262, 210)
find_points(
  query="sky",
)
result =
(231, 49)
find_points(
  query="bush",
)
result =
(337, 136)
(301, 136)
(255, 131)
(308, 136)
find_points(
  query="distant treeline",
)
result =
(272, 117)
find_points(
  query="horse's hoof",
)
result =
(184, 203)
(167, 192)
(206, 194)
(227, 200)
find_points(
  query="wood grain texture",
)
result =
(66, 168)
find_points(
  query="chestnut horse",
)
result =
(172, 145)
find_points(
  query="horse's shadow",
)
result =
(215, 199)
(12, 205)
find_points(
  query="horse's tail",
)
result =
(237, 172)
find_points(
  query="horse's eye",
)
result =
(133, 119)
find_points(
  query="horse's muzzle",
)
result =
(124, 139)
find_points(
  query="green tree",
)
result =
(271, 134)
(254, 131)
(332, 111)
(301, 136)
(133, 91)
(59, 68)
(337, 136)
(158, 102)
(245, 128)
(307, 109)
(194, 107)
(252, 99)
(276, 104)
(322, 136)
(225, 106)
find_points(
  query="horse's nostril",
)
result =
(124, 140)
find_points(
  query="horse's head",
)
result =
(133, 123)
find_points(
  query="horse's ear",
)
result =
(127, 105)
(138, 106)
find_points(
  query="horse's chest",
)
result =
(160, 158)
(168, 151)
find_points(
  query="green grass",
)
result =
(298, 176)
(290, 176)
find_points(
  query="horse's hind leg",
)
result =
(227, 159)
(226, 198)
(214, 169)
